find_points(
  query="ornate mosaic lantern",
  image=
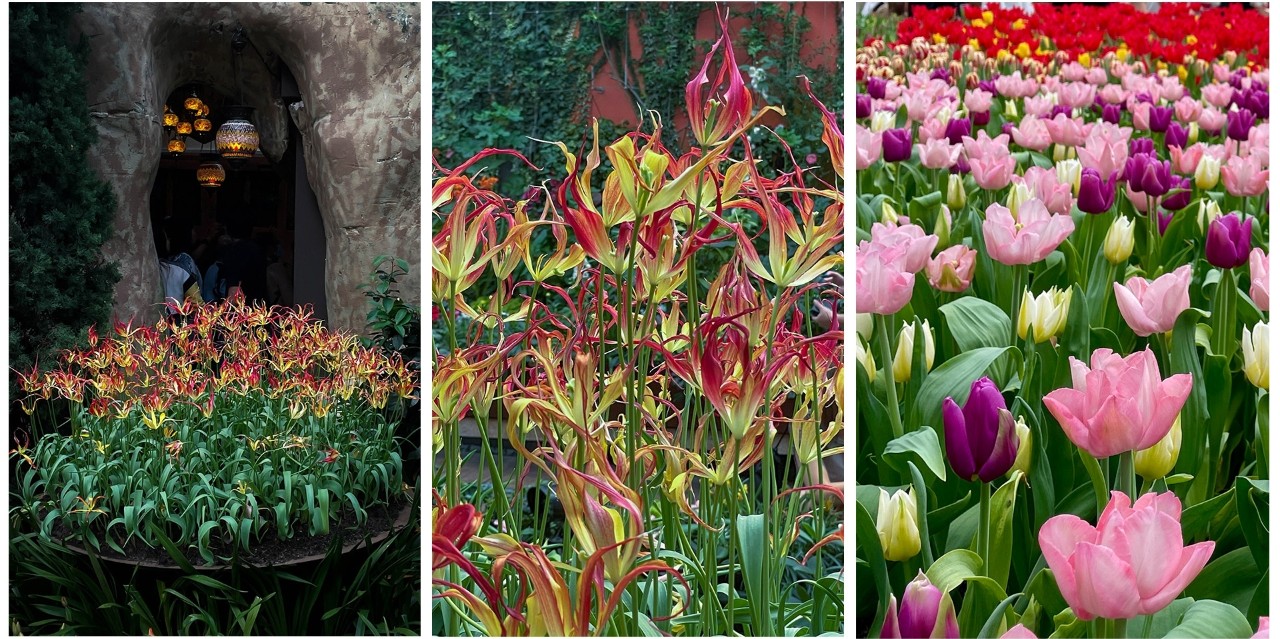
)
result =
(210, 173)
(237, 139)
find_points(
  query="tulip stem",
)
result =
(1019, 286)
(984, 524)
(1124, 474)
(886, 359)
(1120, 627)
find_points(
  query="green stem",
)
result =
(984, 524)
(886, 361)
(1124, 475)
(1019, 286)
(1120, 628)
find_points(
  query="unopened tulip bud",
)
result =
(888, 215)
(1023, 461)
(1017, 195)
(1256, 345)
(896, 525)
(1208, 212)
(868, 362)
(956, 195)
(942, 227)
(1193, 133)
(1044, 315)
(1156, 462)
(864, 323)
(1118, 245)
(925, 611)
(1069, 173)
(1010, 110)
(980, 439)
(907, 350)
(1207, 172)
(1230, 58)
(881, 121)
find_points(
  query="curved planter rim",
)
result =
(399, 523)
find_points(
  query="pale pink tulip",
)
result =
(952, 269)
(1044, 184)
(907, 247)
(1171, 88)
(1066, 130)
(1264, 628)
(938, 154)
(1113, 94)
(1029, 238)
(933, 129)
(1154, 306)
(1141, 116)
(1134, 563)
(1218, 95)
(977, 101)
(1096, 76)
(1019, 632)
(1073, 72)
(917, 103)
(1260, 279)
(869, 147)
(1187, 109)
(1137, 198)
(1244, 176)
(985, 145)
(1032, 134)
(1037, 105)
(1211, 119)
(1185, 161)
(1077, 94)
(1119, 403)
(881, 287)
(1106, 149)
(992, 172)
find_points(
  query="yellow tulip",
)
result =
(896, 525)
(1156, 462)
(1044, 315)
(1118, 245)
(906, 351)
(1257, 351)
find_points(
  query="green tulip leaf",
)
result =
(1209, 618)
(951, 569)
(976, 323)
(920, 446)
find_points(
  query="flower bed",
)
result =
(216, 429)
(652, 389)
(1069, 250)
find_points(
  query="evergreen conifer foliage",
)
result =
(60, 210)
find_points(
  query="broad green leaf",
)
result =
(920, 446)
(951, 569)
(1230, 579)
(1207, 618)
(976, 323)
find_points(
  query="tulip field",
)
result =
(639, 377)
(1062, 345)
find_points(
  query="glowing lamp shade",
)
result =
(192, 103)
(237, 139)
(211, 174)
(177, 146)
(184, 128)
(202, 125)
(170, 119)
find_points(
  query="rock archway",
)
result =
(358, 71)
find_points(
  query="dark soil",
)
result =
(269, 551)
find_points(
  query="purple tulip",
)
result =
(896, 144)
(875, 87)
(863, 106)
(1228, 241)
(1141, 145)
(1237, 79)
(987, 85)
(1164, 218)
(1143, 97)
(1145, 173)
(1160, 118)
(1179, 195)
(962, 165)
(919, 613)
(981, 440)
(1059, 109)
(1006, 128)
(1239, 123)
(981, 119)
(957, 128)
(1176, 136)
(1111, 113)
(941, 74)
(1096, 194)
(1237, 99)
(1259, 101)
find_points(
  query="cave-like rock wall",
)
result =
(358, 69)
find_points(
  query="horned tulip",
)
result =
(712, 117)
(1117, 404)
(1133, 563)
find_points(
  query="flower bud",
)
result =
(1023, 461)
(1069, 173)
(1118, 245)
(1207, 172)
(1010, 110)
(980, 439)
(896, 525)
(888, 215)
(1017, 195)
(1208, 212)
(926, 611)
(1193, 133)
(1156, 462)
(956, 195)
(1256, 345)
(1044, 315)
(881, 121)
(942, 227)
(864, 357)
(906, 351)
(864, 323)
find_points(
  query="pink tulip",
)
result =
(1171, 88)
(1032, 134)
(1259, 279)
(1077, 94)
(1096, 76)
(1019, 632)
(1029, 238)
(1106, 149)
(1212, 120)
(1185, 161)
(992, 172)
(1264, 628)
(917, 103)
(1245, 176)
(1134, 563)
(881, 287)
(1113, 94)
(977, 101)
(1066, 130)
(1218, 95)
(939, 153)
(932, 129)
(952, 269)
(1150, 307)
(1187, 109)
(1119, 404)
(1142, 116)
(1044, 183)
(1073, 72)
(1137, 198)
(869, 147)
(906, 247)
(985, 146)
(1038, 105)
